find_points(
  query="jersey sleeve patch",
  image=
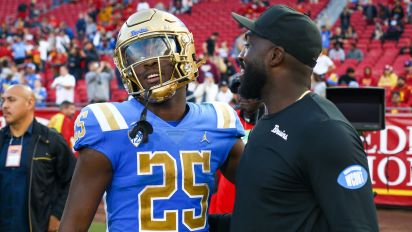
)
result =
(108, 117)
(226, 116)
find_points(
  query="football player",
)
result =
(154, 155)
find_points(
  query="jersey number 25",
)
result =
(169, 222)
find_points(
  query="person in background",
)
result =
(367, 79)
(337, 54)
(354, 53)
(63, 122)
(98, 82)
(206, 91)
(31, 75)
(389, 79)
(324, 64)
(6, 81)
(318, 84)
(407, 73)
(40, 94)
(36, 167)
(224, 94)
(348, 77)
(404, 91)
(64, 85)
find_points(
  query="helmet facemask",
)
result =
(168, 52)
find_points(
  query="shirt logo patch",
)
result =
(281, 134)
(353, 177)
(204, 138)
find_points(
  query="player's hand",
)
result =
(53, 224)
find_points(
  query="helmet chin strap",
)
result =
(143, 126)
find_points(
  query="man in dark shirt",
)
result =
(304, 168)
(36, 167)
(348, 79)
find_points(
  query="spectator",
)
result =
(406, 49)
(394, 30)
(64, 85)
(383, 13)
(326, 35)
(345, 18)
(98, 82)
(409, 11)
(81, 26)
(6, 80)
(377, 32)
(350, 34)
(37, 167)
(91, 27)
(211, 67)
(40, 94)
(389, 79)
(223, 50)
(206, 91)
(230, 70)
(397, 11)
(408, 72)
(370, 12)
(354, 53)
(224, 94)
(338, 37)
(43, 49)
(90, 53)
(210, 45)
(323, 64)
(63, 122)
(347, 78)
(31, 75)
(367, 79)
(74, 62)
(318, 84)
(142, 5)
(57, 59)
(337, 54)
(19, 50)
(238, 45)
(396, 104)
(403, 90)
(62, 42)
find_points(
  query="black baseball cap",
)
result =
(285, 27)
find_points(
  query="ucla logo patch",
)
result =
(137, 140)
(353, 177)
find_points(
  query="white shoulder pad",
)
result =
(226, 116)
(108, 116)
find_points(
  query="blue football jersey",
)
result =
(164, 184)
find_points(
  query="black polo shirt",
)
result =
(304, 169)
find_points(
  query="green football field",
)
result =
(97, 227)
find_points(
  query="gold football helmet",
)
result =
(155, 36)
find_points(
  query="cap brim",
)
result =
(242, 20)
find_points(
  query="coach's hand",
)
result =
(53, 224)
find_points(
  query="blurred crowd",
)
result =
(341, 46)
(56, 60)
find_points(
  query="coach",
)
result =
(304, 168)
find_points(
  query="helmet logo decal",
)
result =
(137, 32)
